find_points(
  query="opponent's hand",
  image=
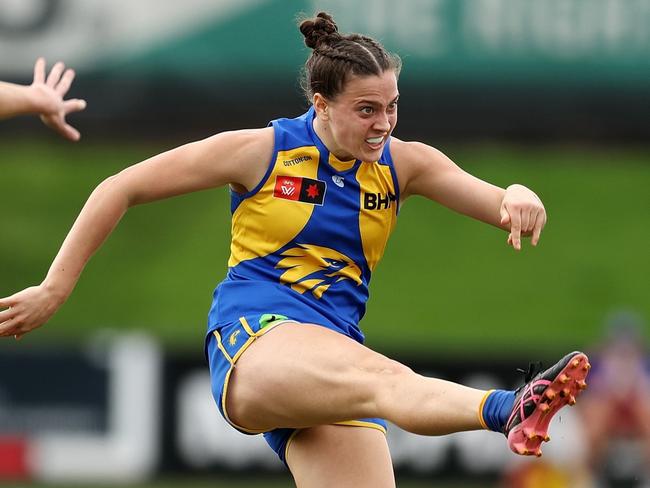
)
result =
(47, 96)
(524, 212)
(26, 310)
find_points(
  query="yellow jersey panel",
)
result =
(264, 224)
(378, 214)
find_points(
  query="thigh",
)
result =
(340, 456)
(301, 375)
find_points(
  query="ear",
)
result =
(320, 106)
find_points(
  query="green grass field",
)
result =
(447, 284)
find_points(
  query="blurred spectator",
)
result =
(616, 406)
(537, 474)
(43, 97)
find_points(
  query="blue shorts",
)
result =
(225, 345)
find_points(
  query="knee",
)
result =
(388, 377)
(389, 370)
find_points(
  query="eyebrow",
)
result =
(372, 102)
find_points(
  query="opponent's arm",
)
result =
(44, 97)
(231, 157)
(423, 170)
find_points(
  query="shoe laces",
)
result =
(533, 369)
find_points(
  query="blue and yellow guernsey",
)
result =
(306, 239)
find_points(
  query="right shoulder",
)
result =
(246, 152)
(239, 158)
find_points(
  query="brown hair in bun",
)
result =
(336, 57)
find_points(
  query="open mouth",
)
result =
(375, 142)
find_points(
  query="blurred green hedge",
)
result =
(447, 285)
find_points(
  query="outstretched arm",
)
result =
(423, 170)
(45, 97)
(231, 157)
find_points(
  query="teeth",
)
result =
(375, 140)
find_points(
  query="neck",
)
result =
(325, 135)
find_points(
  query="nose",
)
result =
(382, 122)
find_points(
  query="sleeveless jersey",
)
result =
(306, 239)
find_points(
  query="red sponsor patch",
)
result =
(300, 189)
(287, 187)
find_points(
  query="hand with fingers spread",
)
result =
(45, 96)
(50, 93)
(26, 310)
(523, 213)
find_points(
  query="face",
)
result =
(356, 124)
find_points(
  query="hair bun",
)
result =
(318, 30)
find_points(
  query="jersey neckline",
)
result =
(326, 156)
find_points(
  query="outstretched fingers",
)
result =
(64, 83)
(55, 75)
(73, 105)
(58, 122)
(69, 132)
(39, 70)
(66, 130)
(50, 93)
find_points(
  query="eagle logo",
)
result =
(316, 268)
(232, 340)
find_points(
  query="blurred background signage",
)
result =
(555, 40)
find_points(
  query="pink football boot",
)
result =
(541, 398)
